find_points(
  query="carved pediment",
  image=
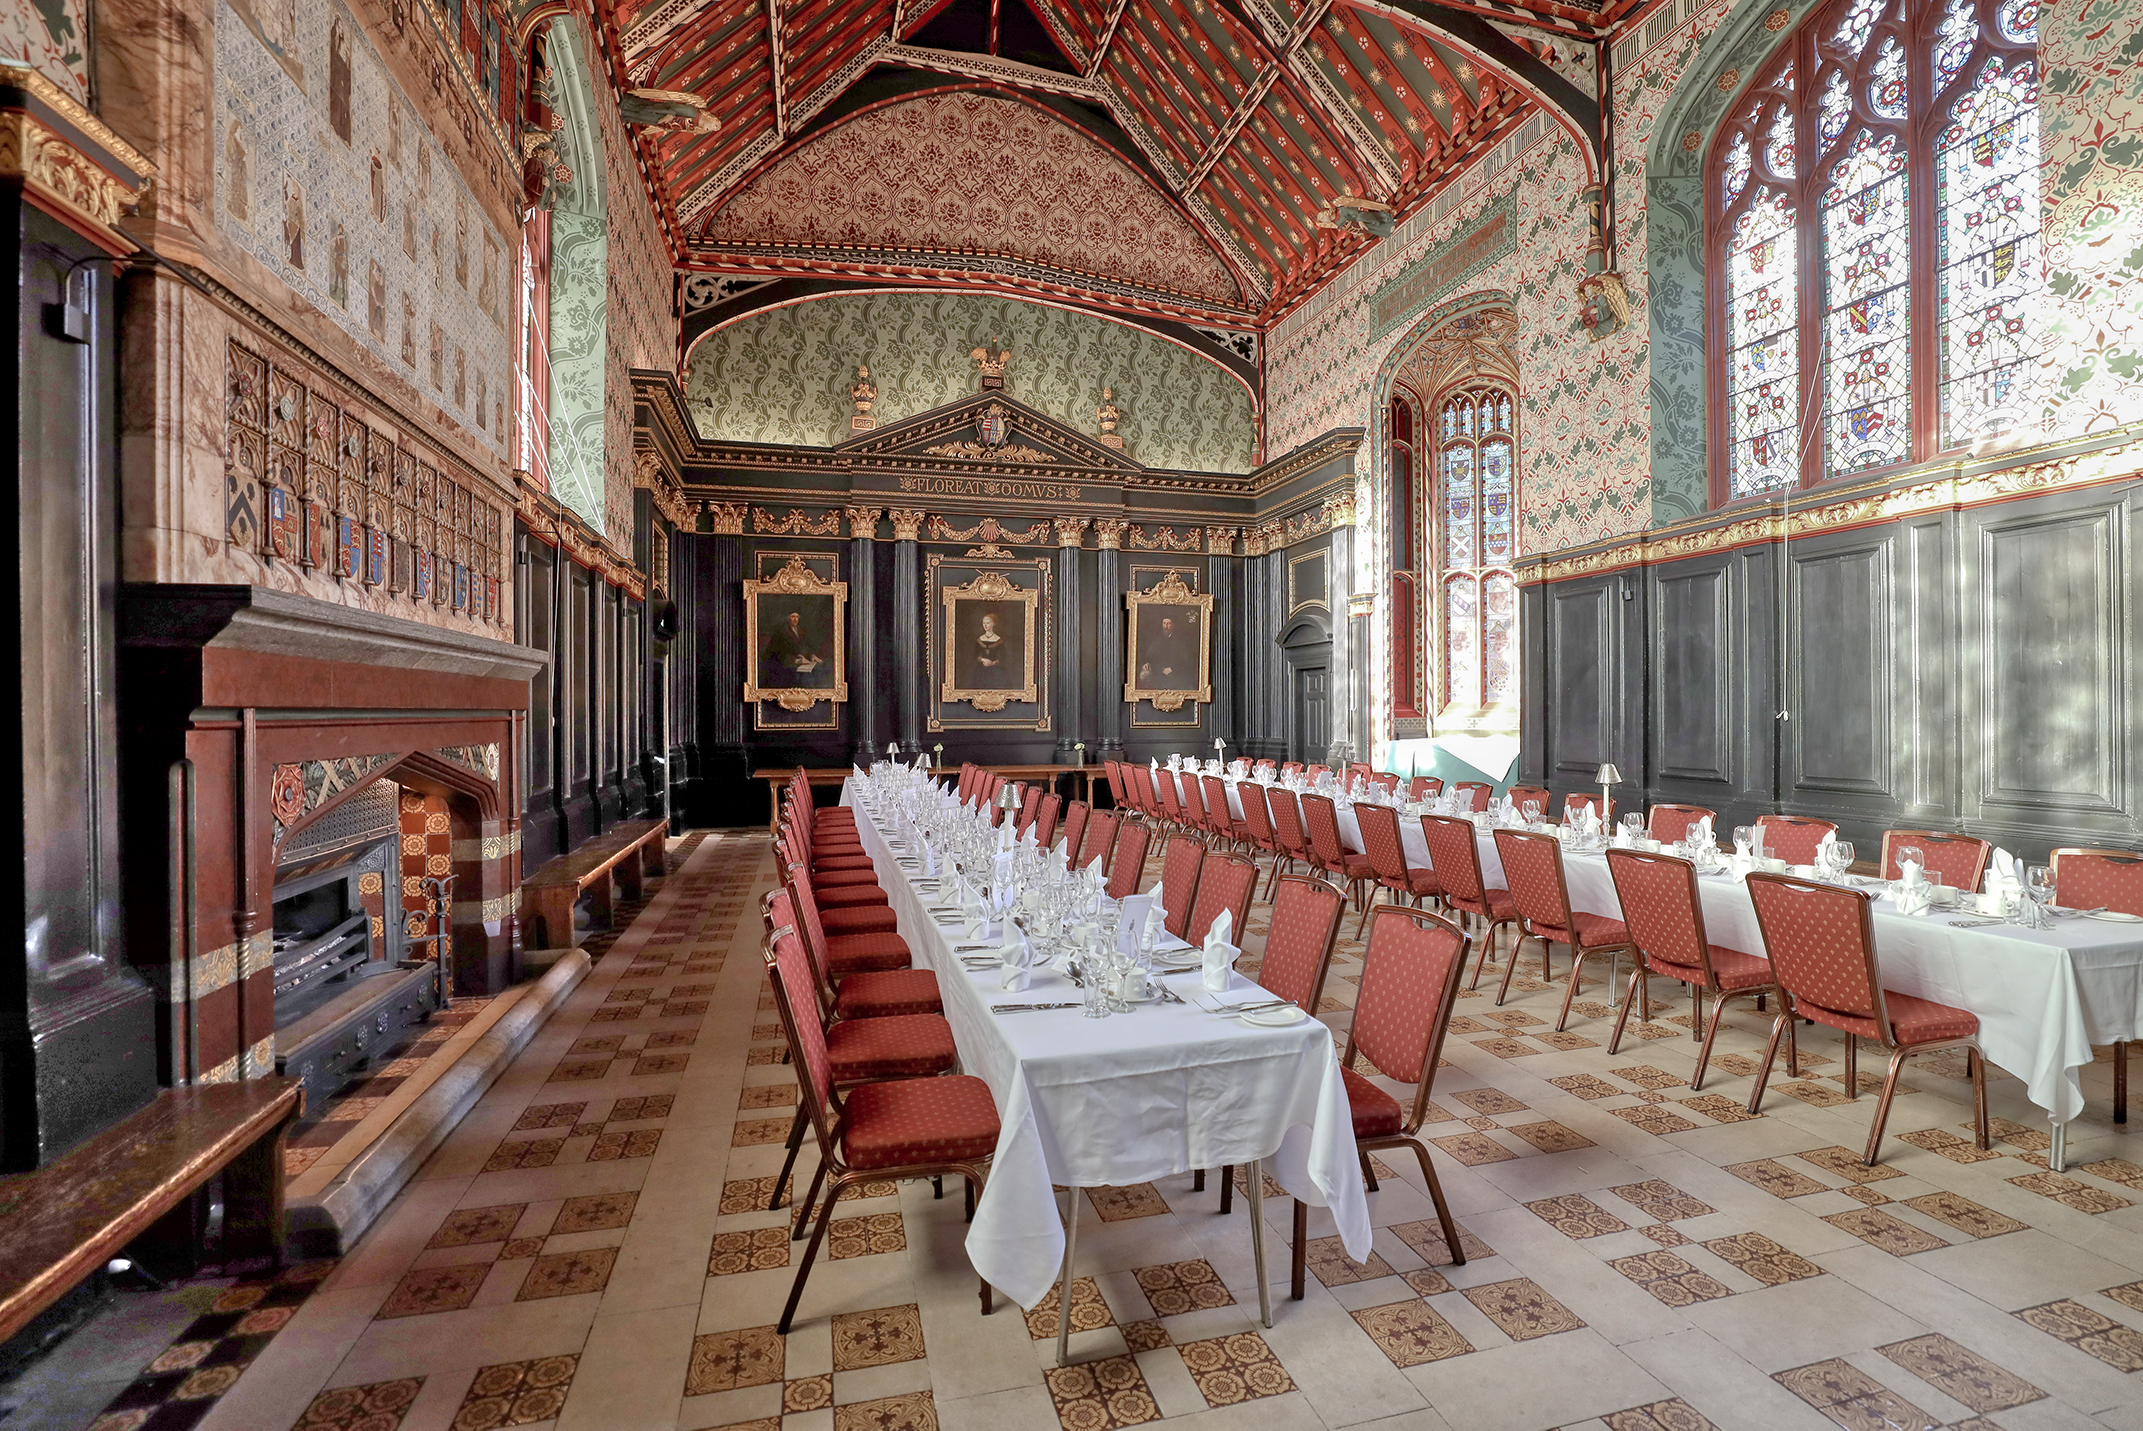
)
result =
(959, 435)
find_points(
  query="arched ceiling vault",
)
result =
(1244, 119)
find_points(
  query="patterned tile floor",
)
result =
(590, 1250)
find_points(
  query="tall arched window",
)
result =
(1476, 476)
(1405, 469)
(1873, 242)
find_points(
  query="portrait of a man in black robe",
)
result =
(796, 642)
(1168, 655)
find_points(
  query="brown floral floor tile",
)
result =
(434, 1289)
(1586, 1086)
(1515, 1019)
(1126, 1203)
(1577, 1216)
(639, 1143)
(1474, 1149)
(1671, 1279)
(758, 1249)
(1662, 1201)
(297, 1160)
(767, 1033)
(1565, 1041)
(1173, 1288)
(1236, 1368)
(1813, 1093)
(1776, 1178)
(2089, 1331)
(674, 1038)
(519, 1248)
(649, 1064)
(1964, 1214)
(1487, 1100)
(1673, 1414)
(1426, 1238)
(2069, 1192)
(2017, 1135)
(745, 1195)
(877, 1338)
(605, 1044)
(768, 1095)
(644, 1109)
(1522, 1310)
(516, 1393)
(808, 1393)
(1327, 1260)
(1845, 1163)
(1654, 1120)
(2115, 1170)
(1507, 1047)
(757, 1132)
(726, 1361)
(616, 1014)
(595, 1212)
(910, 1411)
(586, 1130)
(528, 1153)
(1460, 1023)
(472, 1225)
(378, 1406)
(1644, 1075)
(1853, 1399)
(1962, 1374)
(568, 1274)
(1665, 1234)
(1879, 1229)
(1550, 1136)
(693, 1008)
(1763, 1259)
(1720, 1108)
(1271, 1186)
(580, 1070)
(2128, 1294)
(550, 1115)
(1089, 1312)
(1411, 1333)
(1145, 1336)
(1101, 1395)
(865, 1236)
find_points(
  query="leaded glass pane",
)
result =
(1496, 497)
(1886, 82)
(1858, 23)
(2018, 20)
(1499, 619)
(1836, 110)
(1867, 323)
(1987, 266)
(1462, 652)
(1953, 43)
(1736, 177)
(1764, 365)
(1458, 505)
(1778, 144)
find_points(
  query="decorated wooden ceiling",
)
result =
(1205, 161)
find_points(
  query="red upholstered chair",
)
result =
(1180, 867)
(1584, 800)
(1328, 852)
(1359, 770)
(1128, 864)
(1538, 795)
(1312, 772)
(869, 985)
(1112, 771)
(1285, 807)
(1959, 859)
(1457, 862)
(1223, 824)
(2088, 879)
(848, 919)
(1385, 781)
(1306, 915)
(1477, 794)
(1030, 808)
(1264, 767)
(1422, 787)
(1098, 840)
(1409, 983)
(1076, 814)
(1225, 881)
(843, 954)
(1670, 824)
(1386, 852)
(1195, 814)
(1534, 866)
(838, 889)
(1257, 818)
(1792, 838)
(910, 1127)
(1045, 820)
(1169, 796)
(1821, 941)
(1290, 767)
(1666, 922)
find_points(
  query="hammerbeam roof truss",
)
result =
(1250, 115)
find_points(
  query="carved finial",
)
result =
(1108, 415)
(863, 394)
(992, 360)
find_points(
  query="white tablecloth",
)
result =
(1164, 1089)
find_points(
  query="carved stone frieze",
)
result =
(1164, 539)
(796, 524)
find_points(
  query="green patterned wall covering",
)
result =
(580, 330)
(783, 375)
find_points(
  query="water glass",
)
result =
(1910, 854)
(1744, 837)
(1841, 857)
(2039, 887)
(1531, 811)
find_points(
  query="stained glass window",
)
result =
(1405, 486)
(1899, 199)
(1476, 508)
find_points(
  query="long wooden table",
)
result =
(834, 775)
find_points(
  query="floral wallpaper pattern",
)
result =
(581, 359)
(972, 173)
(783, 375)
(642, 312)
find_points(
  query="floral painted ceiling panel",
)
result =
(996, 181)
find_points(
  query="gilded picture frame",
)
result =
(796, 638)
(991, 647)
(1162, 663)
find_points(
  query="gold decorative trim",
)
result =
(988, 531)
(907, 524)
(727, 517)
(67, 107)
(1071, 531)
(1164, 539)
(796, 524)
(976, 452)
(50, 166)
(863, 521)
(652, 474)
(1109, 533)
(1220, 541)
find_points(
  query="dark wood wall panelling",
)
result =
(1968, 670)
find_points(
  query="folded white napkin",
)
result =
(1220, 955)
(1700, 832)
(2005, 873)
(1017, 957)
(1156, 917)
(857, 771)
(1914, 894)
(1824, 846)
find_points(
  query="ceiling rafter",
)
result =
(1108, 34)
(1270, 26)
(775, 61)
(1282, 58)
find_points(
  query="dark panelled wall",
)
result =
(1969, 670)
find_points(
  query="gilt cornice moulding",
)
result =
(68, 161)
(1754, 524)
(555, 526)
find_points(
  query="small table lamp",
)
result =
(1608, 776)
(1008, 808)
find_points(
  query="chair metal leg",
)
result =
(1614, 1042)
(1577, 967)
(1367, 908)
(1718, 1013)
(1443, 1209)
(1369, 1172)
(1301, 1259)
(1696, 1011)
(2120, 1080)
(1852, 1067)
(1071, 1243)
(1882, 1109)
(1779, 1026)
(818, 1235)
(1254, 1180)
(1510, 965)
(788, 1164)
(1487, 946)
(803, 1209)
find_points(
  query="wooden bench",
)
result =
(67, 1219)
(626, 851)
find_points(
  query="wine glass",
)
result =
(1531, 811)
(1910, 854)
(2039, 888)
(1745, 837)
(1841, 857)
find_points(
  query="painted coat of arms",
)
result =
(993, 426)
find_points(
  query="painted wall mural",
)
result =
(783, 375)
(327, 174)
(976, 174)
(51, 37)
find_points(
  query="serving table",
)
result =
(1167, 1088)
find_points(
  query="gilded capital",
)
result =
(1220, 541)
(907, 524)
(727, 517)
(1109, 533)
(1339, 511)
(863, 521)
(1071, 531)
